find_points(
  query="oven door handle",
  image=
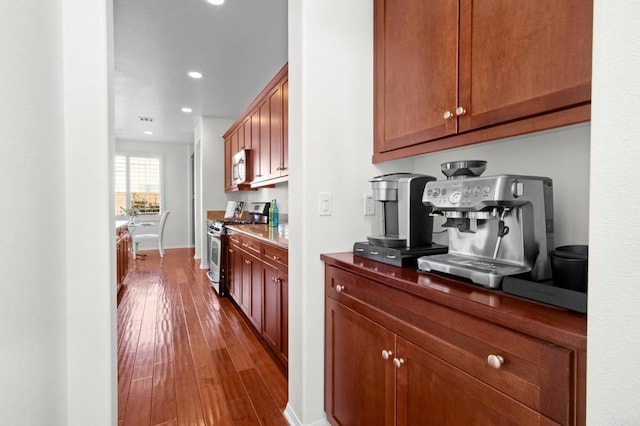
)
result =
(211, 234)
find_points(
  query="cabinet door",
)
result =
(247, 144)
(271, 294)
(519, 59)
(416, 75)
(285, 128)
(248, 264)
(228, 153)
(234, 272)
(275, 321)
(255, 286)
(264, 156)
(275, 132)
(359, 383)
(432, 392)
(255, 143)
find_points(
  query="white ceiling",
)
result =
(238, 47)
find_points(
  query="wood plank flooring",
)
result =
(186, 356)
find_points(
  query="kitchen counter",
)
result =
(536, 319)
(274, 236)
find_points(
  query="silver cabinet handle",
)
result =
(495, 361)
(386, 354)
(339, 288)
(374, 252)
(448, 115)
(460, 111)
(397, 362)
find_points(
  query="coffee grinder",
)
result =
(405, 223)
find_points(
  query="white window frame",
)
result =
(129, 154)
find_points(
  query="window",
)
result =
(138, 183)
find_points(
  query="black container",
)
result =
(569, 267)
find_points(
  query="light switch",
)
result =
(324, 208)
(369, 206)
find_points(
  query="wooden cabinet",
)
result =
(123, 248)
(275, 327)
(453, 73)
(359, 384)
(235, 141)
(407, 348)
(258, 283)
(263, 129)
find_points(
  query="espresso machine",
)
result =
(497, 226)
(404, 221)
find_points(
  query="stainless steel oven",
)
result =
(215, 232)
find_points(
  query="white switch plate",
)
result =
(324, 205)
(369, 206)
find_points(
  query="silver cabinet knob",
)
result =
(339, 288)
(448, 115)
(397, 362)
(386, 354)
(460, 111)
(495, 361)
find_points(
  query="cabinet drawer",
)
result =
(234, 237)
(532, 371)
(276, 256)
(250, 244)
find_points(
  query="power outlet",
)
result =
(369, 206)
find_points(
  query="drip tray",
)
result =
(403, 257)
(488, 273)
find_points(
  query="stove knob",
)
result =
(455, 197)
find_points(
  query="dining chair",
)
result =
(137, 239)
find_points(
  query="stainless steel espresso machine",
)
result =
(404, 220)
(497, 226)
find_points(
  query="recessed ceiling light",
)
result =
(147, 132)
(194, 74)
(216, 2)
(187, 109)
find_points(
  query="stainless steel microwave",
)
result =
(239, 167)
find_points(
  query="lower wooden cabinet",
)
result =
(257, 280)
(123, 247)
(276, 307)
(393, 357)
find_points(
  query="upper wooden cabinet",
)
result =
(262, 129)
(452, 73)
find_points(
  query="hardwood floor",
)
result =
(186, 356)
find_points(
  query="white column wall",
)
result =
(32, 216)
(211, 193)
(613, 371)
(57, 298)
(90, 240)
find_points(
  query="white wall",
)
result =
(176, 158)
(613, 371)
(32, 295)
(211, 196)
(57, 292)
